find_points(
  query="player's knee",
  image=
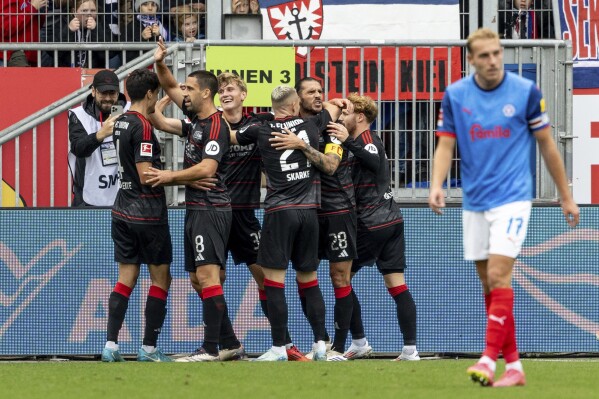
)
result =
(340, 278)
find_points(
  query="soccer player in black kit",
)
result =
(337, 237)
(208, 213)
(139, 221)
(243, 179)
(380, 222)
(290, 230)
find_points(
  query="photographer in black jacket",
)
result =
(92, 155)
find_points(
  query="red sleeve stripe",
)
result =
(147, 135)
(367, 137)
(215, 127)
(448, 134)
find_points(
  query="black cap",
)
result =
(105, 80)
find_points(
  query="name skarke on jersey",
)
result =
(298, 175)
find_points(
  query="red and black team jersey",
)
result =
(244, 167)
(207, 138)
(337, 191)
(371, 174)
(135, 142)
(292, 181)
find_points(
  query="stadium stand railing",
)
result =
(405, 78)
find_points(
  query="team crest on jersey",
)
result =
(197, 135)
(371, 148)
(146, 150)
(297, 20)
(509, 110)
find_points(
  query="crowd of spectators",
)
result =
(96, 21)
(525, 19)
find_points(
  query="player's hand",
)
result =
(160, 53)
(343, 103)
(254, 6)
(74, 25)
(235, 6)
(38, 4)
(571, 212)
(90, 23)
(107, 128)
(155, 30)
(158, 177)
(205, 184)
(338, 131)
(146, 34)
(162, 104)
(289, 141)
(436, 200)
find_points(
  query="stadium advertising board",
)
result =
(56, 275)
(262, 69)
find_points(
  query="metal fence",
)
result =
(406, 79)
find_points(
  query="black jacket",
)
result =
(84, 144)
(543, 14)
(58, 32)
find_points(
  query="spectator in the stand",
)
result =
(109, 13)
(146, 25)
(188, 25)
(125, 16)
(170, 9)
(20, 23)
(81, 26)
(55, 10)
(525, 19)
(245, 6)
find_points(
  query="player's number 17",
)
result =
(516, 223)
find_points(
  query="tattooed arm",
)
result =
(327, 163)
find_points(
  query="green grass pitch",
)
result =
(437, 379)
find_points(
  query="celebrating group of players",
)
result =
(328, 197)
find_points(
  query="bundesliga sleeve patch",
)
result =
(146, 150)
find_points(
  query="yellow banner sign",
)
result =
(262, 69)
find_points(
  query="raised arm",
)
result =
(161, 122)
(336, 105)
(167, 80)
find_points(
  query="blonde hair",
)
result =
(480, 34)
(281, 94)
(364, 105)
(227, 78)
(183, 12)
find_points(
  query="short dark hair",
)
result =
(206, 80)
(139, 82)
(298, 84)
